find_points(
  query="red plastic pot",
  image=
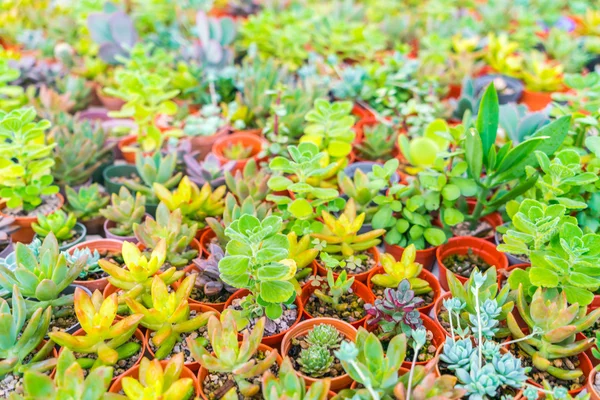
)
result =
(424, 257)
(301, 329)
(461, 245)
(25, 233)
(454, 91)
(275, 340)
(362, 113)
(535, 101)
(246, 139)
(203, 372)
(426, 275)
(134, 372)
(128, 155)
(199, 308)
(206, 236)
(100, 245)
(203, 144)
(362, 277)
(360, 289)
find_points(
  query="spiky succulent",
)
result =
(154, 169)
(324, 335)
(250, 182)
(91, 260)
(157, 382)
(86, 202)
(124, 211)
(59, 223)
(169, 315)
(41, 278)
(108, 340)
(397, 271)
(209, 170)
(168, 227)
(232, 356)
(19, 341)
(289, 386)
(315, 361)
(209, 277)
(195, 204)
(397, 312)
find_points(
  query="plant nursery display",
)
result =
(299, 200)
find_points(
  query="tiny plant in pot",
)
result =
(86, 204)
(287, 385)
(313, 353)
(64, 227)
(123, 212)
(91, 270)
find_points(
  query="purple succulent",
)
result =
(114, 31)
(397, 312)
(209, 277)
(210, 170)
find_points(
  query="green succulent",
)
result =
(324, 335)
(59, 223)
(154, 169)
(87, 202)
(316, 361)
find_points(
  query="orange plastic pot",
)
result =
(302, 329)
(586, 367)
(203, 372)
(275, 340)
(128, 155)
(461, 245)
(203, 144)
(590, 385)
(134, 372)
(426, 275)
(362, 277)
(25, 233)
(255, 131)
(206, 236)
(454, 91)
(424, 257)
(199, 308)
(100, 245)
(362, 113)
(360, 289)
(535, 101)
(246, 139)
(138, 334)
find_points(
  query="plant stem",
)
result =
(479, 334)
(412, 371)
(374, 394)
(476, 214)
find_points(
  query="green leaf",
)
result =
(276, 291)
(474, 154)
(435, 236)
(278, 183)
(452, 216)
(487, 121)
(543, 277)
(301, 208)
(273, 311)
(234, 265)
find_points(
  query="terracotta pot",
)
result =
(25, 233)
(203, 144)
(203, 372)
(199, 308)
(426, 275)
(111, 224)
(128, 155)
(206, 236)
(100, 245)
(139, 335)
(134, 372)
(587, 369)
(362, 113)
(506, 272)
(590, 385)
(110, 103)
(274, 340)
(349, 332)
(437, 308)
(424, 257)
(536, 101)
(255, 131)
(247, 139)
(362, 277)
(460, 245)
(360, 289)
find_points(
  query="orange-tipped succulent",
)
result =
(169, 315)
(109, 340)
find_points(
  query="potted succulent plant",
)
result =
(239, 147)
(92, 276)
(122, 213)
(86, 204)
(64, 226)
(208, 170)
(205, 128)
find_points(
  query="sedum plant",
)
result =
(108, 340)
(18, 341)
(341, 234)
(136, 279)
(168, 227)
(25, 160)
(238, 358)
(157, 382)
(169, 316)
(287, 385)
(154, 169)
(195, 204)
(41, 276)
(68, 383)
(59, 223)
(86, 202)
(124, 211)
(397, 271)
(251, 182)
(257, 259)
(553, 324)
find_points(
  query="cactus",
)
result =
(125, 211)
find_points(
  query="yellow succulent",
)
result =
(397, 271)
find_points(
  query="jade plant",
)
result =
(86, 202)
(104, 342)
(169, 316)
(240, 359)
(25, 160)
(68, 383)
(397, 271)
(59, 223)
(125, 211)
(168, 227)
(257, 260)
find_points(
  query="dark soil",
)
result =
(355, 310)
(182, 346)
(464, 229)
(199, 295)
(63, 318)
(93, 276)
(272, 326)
(115, 257)
(216, 385)
(463, 264)
(539, 377)
(76, 235)
(426, 353)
